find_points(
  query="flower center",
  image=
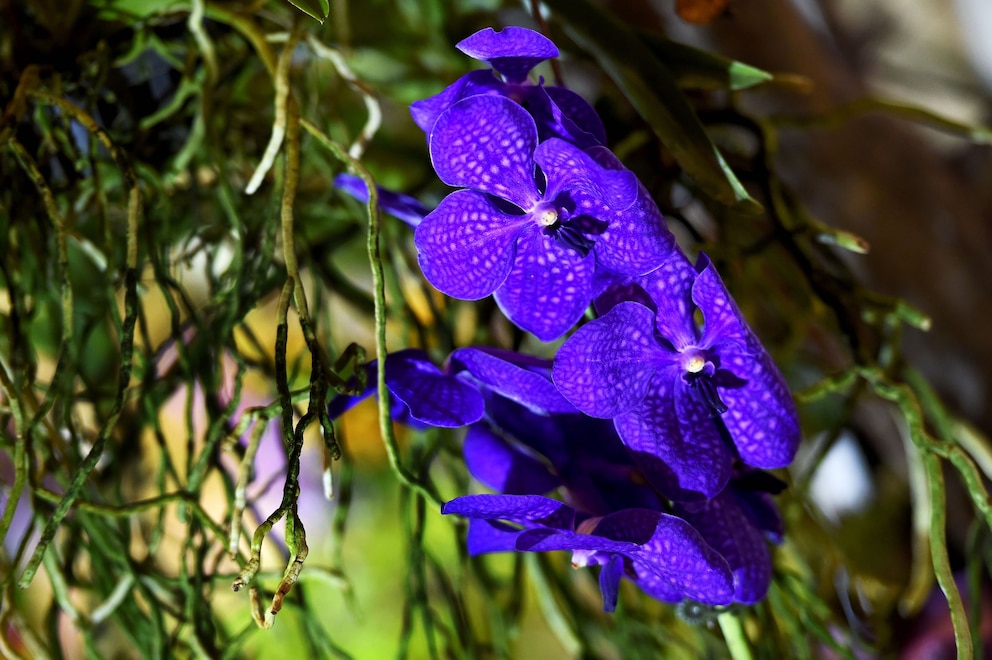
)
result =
(698, 374)
(553, 219)
(583, 558)
(547, 217)
(694, 360)
(695, 364)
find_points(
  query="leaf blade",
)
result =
(652, 90)
(316, 9)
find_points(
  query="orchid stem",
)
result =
(734, 635)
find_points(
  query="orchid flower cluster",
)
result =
(655, 422)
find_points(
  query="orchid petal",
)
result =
(670, 286)
(762, 512)
(404, 207)
(630, 525)
(677, 559)
(551, 121)
(426, 111)
(578, 110)
(636, 240)
(727, 529)
(546, 540)
(513, 51)
(761, 415)
(487, 143)
(723, 323)
(547, 290)
(606, 368)
(530, 388)
(609, 582)
(615, 289)
(432, 397)
(676, 444)
(570, 170)
(521, 509)
(490, 536)
(500, 466)
(466, 245)
(542, 432)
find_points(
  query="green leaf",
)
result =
(317, 9)
(698, 69)
(111, 9)
(653, 91)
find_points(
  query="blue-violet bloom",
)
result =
(738, 523)
(399, 205)
(512, 53)
(529, 236)
(422, 393)
(686, 400)
(514, 450)
(661, 553)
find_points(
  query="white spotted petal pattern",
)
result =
(466, 246)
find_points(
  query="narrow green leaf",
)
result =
(317, 9)
(652, 90)
(112, 9)
(698, 69)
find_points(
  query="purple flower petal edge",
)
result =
(513, 51)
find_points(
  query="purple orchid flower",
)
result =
(403, 207)
(661, 553)
(451, 396)
(686, 400)
(422, 393)
(738, 523)
(535, 246)
(522, 379)
(516, 451)
(512, 53)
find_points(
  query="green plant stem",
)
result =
(941, 561)
(379, 287)
(127, 331)
(848, 111)
(733, 634)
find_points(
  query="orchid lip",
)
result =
(699, 371)
(582, 558)
(573, 238)
(704, 387)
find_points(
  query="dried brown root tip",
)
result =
(284, 588)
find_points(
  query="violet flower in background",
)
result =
(529, 442)
(677, 392)
(399, 205)
(517, 451)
